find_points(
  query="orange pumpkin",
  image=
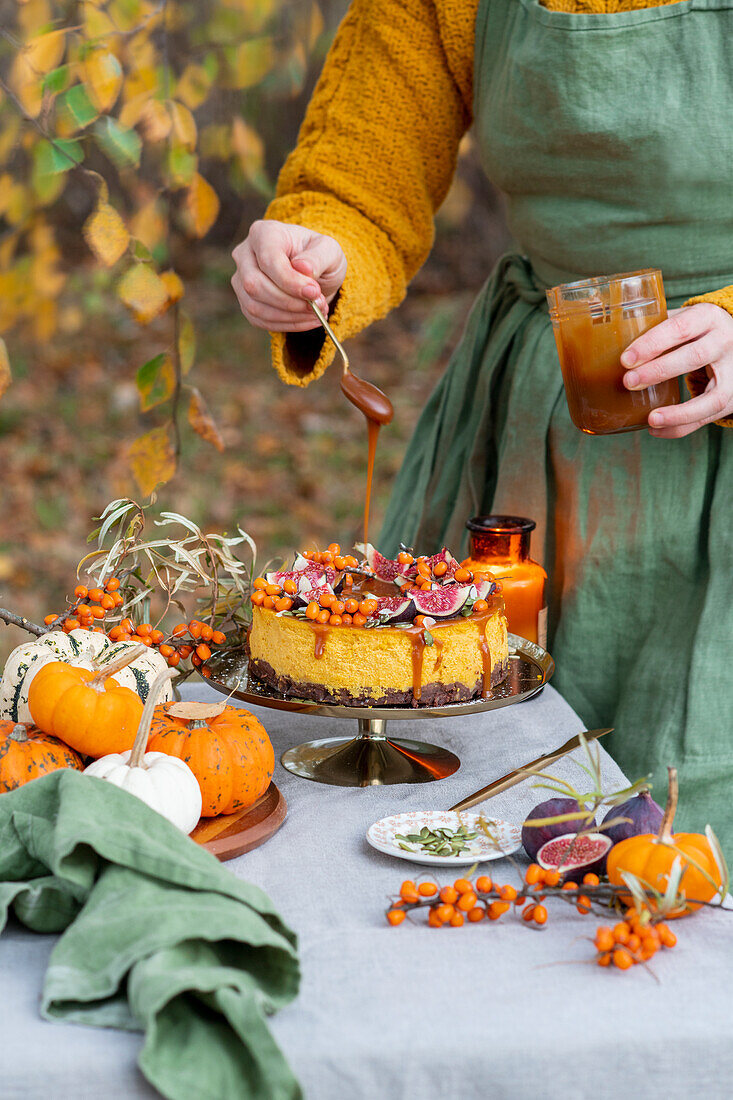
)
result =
(226, 748)
(651, 858)
(26, 753)
(88, 710)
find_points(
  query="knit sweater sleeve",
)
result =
(375, 157)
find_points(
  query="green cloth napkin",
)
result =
(157, 937)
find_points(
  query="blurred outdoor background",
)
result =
(138, 141)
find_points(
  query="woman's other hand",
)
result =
(692, 337)
(282, 267)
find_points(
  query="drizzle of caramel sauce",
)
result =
(378, 410)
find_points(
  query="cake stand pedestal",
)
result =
(372, 758)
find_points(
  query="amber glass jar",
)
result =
(499, 550)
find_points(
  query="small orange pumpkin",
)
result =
(88, 710)
(26, 753)
(651, 858)
(226, 748)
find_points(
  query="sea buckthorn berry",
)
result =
(427, 889)
(81, 591)
(346, 620)
(348, 580)
(98, 612)
(178, 630)
(290, 587)
(463, 886)
(203, 651)
(194, 627)
(157, 636)
(49, 619)
(456, 920)
(497, 909)
(483, 884)
(351, 606)
(408, 887)
(462, 575)
(196, 661)
(539, 914)
(96, 629)
(396, 916)
(218, 637)
(404, 558)
(144, 638)
(552, 878)
(257, 598)
(480, 606)
(359, 619)
(84, 610)
(326, 599)
(569, 886)
(112, 584)
(475, 914)
(533, 874)
(115, 634)
(351, 561)
(583, 905)
(622, 958)
(118, 599)
(449, 895)
(107, 602)
(334, 548)
(667, 936)
(283, 604)
(335, 620)
(365, 608)
(434, 920)
(271, 590)
(338, 607)
(590, 879)
(145, 628)
(440, 568)
(604, 938)
(95, 594)
(311, 611)
(207, 633)
(621, 932)
(165, 650)
(519, 902)
(71, 624)
(466, 901)
(339, 562)
(528, 913)
(268, 602)
(308, 554)
(633, 942)
(604, 959)
(173, 659)
(419, 620)
(323, 616)
(445, 912)
(506, 893)
(326, 558)
(259, 582)
(186, 651)
(127, 625)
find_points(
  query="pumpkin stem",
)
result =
(143, 730)
(19, 732)
(665, 832)
(103, 674)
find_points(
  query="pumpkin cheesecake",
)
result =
(370, 631)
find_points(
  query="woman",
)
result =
(607, 124)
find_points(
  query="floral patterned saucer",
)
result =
(390, 835)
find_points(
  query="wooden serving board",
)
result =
(230, 835)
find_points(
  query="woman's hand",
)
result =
(280, 268)
(692, 337)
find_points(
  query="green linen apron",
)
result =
(611, 136)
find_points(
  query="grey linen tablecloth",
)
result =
(493, 1010)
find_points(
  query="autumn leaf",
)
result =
(44, 52)
(173, 284)
(78, 108)
(183, 125)
(202, 206)
(186, 342)
(193, 86)
(5, 375)
(182, 166)
(121, 145)
(155, 119)
(143, 292)
(103, 77)
(27, 85)
(149, 224)
(152, 459)
(251, 61)
(202, 422)
(155, 381)
(106, 234)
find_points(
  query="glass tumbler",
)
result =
(594, 321)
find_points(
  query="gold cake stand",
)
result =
(372, 758)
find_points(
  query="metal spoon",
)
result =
(332, 334)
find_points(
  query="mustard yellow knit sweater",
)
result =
(374, 178)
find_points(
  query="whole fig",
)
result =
(645, 816)
(533, 837)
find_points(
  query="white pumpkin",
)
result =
(164, 782)
(80, 647)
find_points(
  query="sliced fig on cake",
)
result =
(395, 609)
(384, 568)
(444, 558)
(442, 603)
(484, 589)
